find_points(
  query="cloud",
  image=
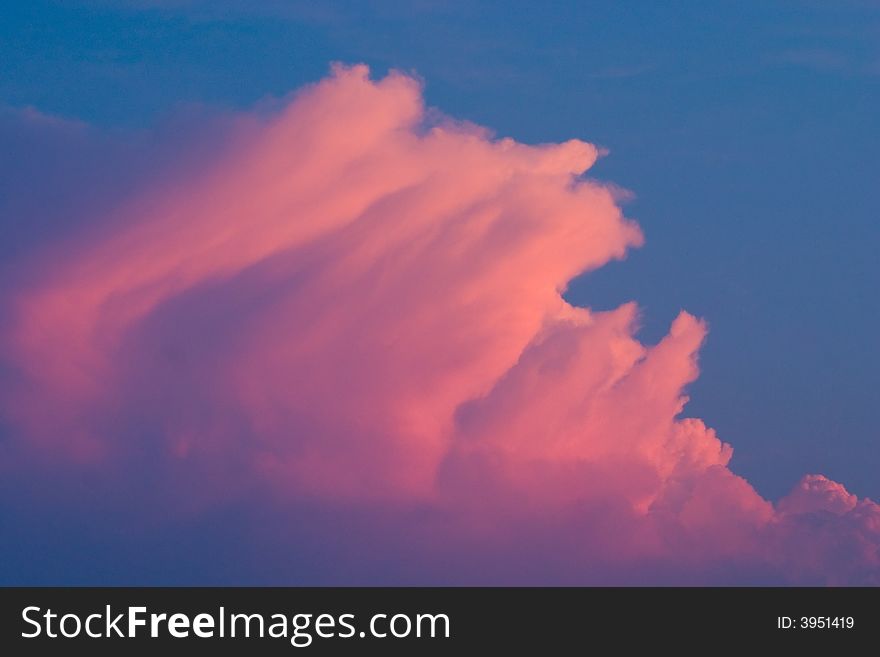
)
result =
(350, 310)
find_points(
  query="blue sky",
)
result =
(748, 132)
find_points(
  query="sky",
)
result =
(154, 153)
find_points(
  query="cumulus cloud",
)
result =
(355, 307)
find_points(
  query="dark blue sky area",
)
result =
(748, 131)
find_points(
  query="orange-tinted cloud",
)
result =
(358, 307)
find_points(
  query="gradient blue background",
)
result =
(748, 130)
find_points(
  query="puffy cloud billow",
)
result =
(346, 325)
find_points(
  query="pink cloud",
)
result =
(356, 307)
